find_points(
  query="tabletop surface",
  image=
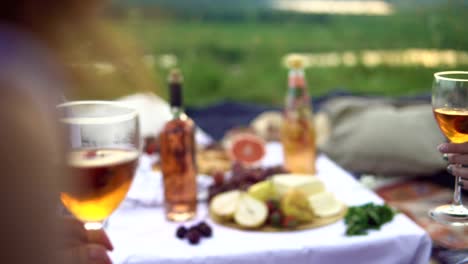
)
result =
(141, 234)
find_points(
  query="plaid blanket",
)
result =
(415, 198)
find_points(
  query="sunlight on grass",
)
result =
(428, 58)
(380, 8)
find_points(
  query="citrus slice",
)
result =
(247, 148)
(325, 204)
(250, 212)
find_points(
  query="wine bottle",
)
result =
(177, 155)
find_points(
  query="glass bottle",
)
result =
(298, 135)
(177, 155)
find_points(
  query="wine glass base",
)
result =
(454, 215)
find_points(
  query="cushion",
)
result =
(383, 137)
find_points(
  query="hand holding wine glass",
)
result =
(450, 106)
(81, 246)
(103, 155)
(457, 157)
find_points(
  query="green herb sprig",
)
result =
(359, 219)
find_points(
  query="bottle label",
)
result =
(178, 150)
(296, 93)
(297, 100)
(296, 81)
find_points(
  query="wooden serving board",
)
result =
(317, 222)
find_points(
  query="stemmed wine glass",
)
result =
(450, 106)
(103, 154)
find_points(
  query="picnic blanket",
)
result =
(415, 198)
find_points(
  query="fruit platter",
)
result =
(282, 202)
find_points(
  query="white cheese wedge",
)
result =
(325, 204)
(308, 184)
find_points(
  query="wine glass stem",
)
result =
(457, 193)
(93, 225)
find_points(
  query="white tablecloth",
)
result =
(142, 234)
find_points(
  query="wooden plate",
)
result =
(317, 222)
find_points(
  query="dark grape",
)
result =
(193, 236)
(181, 232)
(237, 170)
(218, 178)
(205, 229)
(242, 178)
(275, 219)
(273, 205)
(289, 222)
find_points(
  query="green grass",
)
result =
(242, 60)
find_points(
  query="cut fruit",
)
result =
(294, 203)
(224, 205)
(250, 213)
(325, 204)
(308, 184)
(247, 148)
(263, 190)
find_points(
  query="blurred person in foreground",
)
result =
(46, 48)
(457, 157)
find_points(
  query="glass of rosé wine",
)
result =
(103, 151)
(450, 106)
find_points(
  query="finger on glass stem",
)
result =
(99, 236)
(86, 254)
(458, 170)
(464, 184)
(457, 159)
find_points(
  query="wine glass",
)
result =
(103, 153)
(450, 106)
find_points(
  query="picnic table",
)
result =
(141, 234)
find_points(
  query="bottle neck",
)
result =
(175, 95)
(296, 79)
(175, 99)
(177, 112)
(297, 88)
